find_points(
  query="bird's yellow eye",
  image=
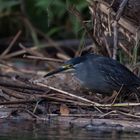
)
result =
(67, 66)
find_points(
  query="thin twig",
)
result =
(125, 49)
(74, 11)
(118, 94)
(43, 58)
(129, 115)
(32, 52)
(13, 93)
(108, 113)
(68, 43)
(135, 50)
(111, 4)
(15, 84)
(115, 47)
(120, 105)
(50, 41)
(11, 44)
(17, 102)
(35, 116)
(120, 10)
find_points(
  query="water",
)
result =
(28, 130)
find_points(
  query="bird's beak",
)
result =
(63, 68)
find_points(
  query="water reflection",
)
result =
(27, 130)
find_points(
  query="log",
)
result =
(131, 11)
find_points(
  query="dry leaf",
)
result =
(64, 110)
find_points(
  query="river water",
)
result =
(32, 130)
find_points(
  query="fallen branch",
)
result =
(69, 94)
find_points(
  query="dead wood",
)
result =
(131, 11)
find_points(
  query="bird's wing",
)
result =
(114, 72)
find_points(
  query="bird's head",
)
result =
(70, 64)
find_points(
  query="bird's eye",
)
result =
(68, 66)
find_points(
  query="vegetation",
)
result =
(50, 17)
